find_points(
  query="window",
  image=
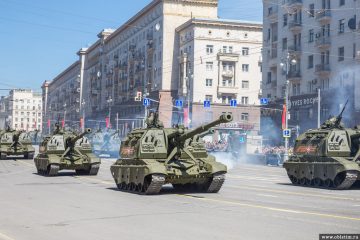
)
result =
(268, 80)
(223, 99)
(324, 84)
(284, 44)
(245, 117)
(245, 84)
(312, 10)
(209, 98)
(342, 26)
(209, 66)
(311, 35)
(342, 2)
(245, 67)
(230, 49)
(311, 61)
(245, 51)
(208, 82)
(209, 49)
(244, 100)
(341, 54)
(285, 20)
(224, 49)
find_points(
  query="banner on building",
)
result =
(81, 122)
(107, 122)
(63, 123)
(283, 117)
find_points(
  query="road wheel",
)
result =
(339, 179)
(2, 156)
(318, 182)
(328, 183)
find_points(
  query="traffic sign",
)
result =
(264, 101)
(233, 103)
(178, 103)
(146, 102)
(286, 133)
(207, 104)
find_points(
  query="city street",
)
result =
(256, 202)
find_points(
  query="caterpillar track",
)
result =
(216, 183)
(152, 185)
(342, 181)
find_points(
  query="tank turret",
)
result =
(153, 156)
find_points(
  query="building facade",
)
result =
(220, 61)
(144, 56)
(23, 110)
(311, 45)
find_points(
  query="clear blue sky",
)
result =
(40, 38)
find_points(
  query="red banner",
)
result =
(283, 117)
(186, 116)
(48, 123)
(63, 123)
(81, 122)
(107, 122)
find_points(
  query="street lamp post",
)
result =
(109, 101)
(64, 114)
(83, 115)
(286, 64)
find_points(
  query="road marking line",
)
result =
(294, 193)
(255, 178)
(94, 179)
(5, 237)
(273, 208)
(267, 195)
(26, 163)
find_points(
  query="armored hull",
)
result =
(66, 151)
(156, 156)
(16, 143)
(327, 157)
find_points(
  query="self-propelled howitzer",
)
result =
(66, 150)
(154, 156)
(327, 157)
(15, 143)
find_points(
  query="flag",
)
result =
(48, 123)
(107, 122)
(81, 122)
(283, 117)
(63, 123)
(186, 116)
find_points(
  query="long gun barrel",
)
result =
(226, 117)
(339, 117)
(73, 140)
(211, 131)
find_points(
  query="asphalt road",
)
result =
(256, 202)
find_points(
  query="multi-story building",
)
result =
(4, 106)
(62, 97)
(145, 55)
(23, 109)
(219, 62)
(311, 45)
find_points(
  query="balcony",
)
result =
(324, 16)
(228, 74)
(323, 42)
(274, 83)
(295, 3)
(323, 69)
(228, 56)
(295, 49)
(294, 75)
(273, 13)
(295, 26)
(94, 91)
(228, 90)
